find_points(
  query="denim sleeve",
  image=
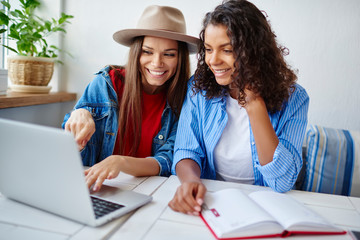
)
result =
(96, 93)
(282, 172)
(95, 99)
(66, 118)
(164, 154)
(189, 139)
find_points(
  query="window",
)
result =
(3, 50)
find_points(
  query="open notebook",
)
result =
(41, 167)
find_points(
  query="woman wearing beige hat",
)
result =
(126, 120)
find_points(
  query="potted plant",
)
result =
(33, 63)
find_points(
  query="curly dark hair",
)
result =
(259, 60)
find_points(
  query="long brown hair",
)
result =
(130, 115)
(259, 60)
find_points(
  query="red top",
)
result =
(152, 109)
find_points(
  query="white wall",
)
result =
(323, 37)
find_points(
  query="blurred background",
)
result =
(323, 38)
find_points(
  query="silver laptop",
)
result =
(41, 167)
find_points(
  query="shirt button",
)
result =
(253, 143)
(161, 137)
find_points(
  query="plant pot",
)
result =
(33, 71)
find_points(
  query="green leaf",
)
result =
(25, 33)
(10, 48)
(63, 15)
(37, 35)
(17, 13)
(45, 42)
(4, 19)
(48, 25)
(30, 3)
(54, 47)
(59, 29)
(13, 32)
(62, 20)
(6, 4)
(40, 28)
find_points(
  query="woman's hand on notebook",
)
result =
(81, 125)
(190, 194)
(188, 198)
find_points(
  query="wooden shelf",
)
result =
(18, 99)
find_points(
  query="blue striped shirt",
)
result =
(202, 122)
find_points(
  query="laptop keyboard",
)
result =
(102, 207)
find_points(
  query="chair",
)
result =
(332, 160)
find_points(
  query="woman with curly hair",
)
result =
(244, 117)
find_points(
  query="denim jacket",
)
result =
(100, 99)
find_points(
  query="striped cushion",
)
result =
(332, 161)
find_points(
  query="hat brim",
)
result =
(126, 36)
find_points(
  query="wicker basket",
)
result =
(34, 71)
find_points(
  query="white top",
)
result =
(232, 154)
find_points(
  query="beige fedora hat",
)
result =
(159, 21)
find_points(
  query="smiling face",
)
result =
(219, 53)
(158, 61)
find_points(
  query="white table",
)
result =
(18, 221)
(157, 221)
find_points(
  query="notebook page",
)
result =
(231, 210)
(288, 211)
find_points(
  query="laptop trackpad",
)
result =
(124, 197)
(105, 191)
